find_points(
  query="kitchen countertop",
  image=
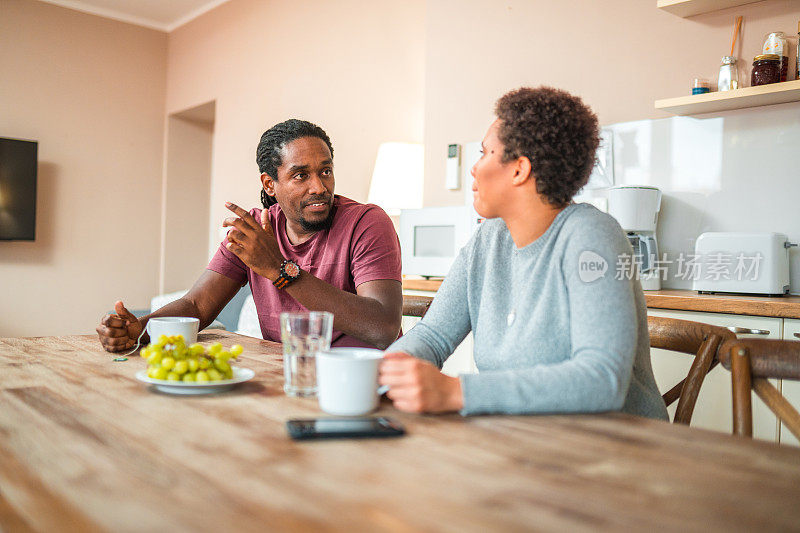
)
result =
(685, 300)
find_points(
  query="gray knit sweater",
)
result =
(554, 332)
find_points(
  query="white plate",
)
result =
(240, 375)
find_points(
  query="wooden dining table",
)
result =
(84, 446)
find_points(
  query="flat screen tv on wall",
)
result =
(17, 190)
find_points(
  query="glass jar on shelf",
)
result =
(728, 74)
(700, 86)
(776, 43)
(766, 70)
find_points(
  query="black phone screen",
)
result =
(339, 428)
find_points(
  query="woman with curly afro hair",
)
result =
(557, 328)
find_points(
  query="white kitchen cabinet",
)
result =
(714, 409)
(790, 388)
(461, 362)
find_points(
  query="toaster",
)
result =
(736, 262)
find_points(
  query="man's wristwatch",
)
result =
(289, 273)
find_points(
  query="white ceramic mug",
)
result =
(347, 380)
(173, 325)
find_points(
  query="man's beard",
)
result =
(319, 225)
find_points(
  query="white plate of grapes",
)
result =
(175, 368)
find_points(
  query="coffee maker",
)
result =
(636, 209)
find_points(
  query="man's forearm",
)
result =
(362, 317)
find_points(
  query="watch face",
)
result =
(291, 269)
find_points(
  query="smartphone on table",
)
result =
(343, 428)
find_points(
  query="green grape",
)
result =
(204, 363)
(236, 350)
(172, 376)
(197, 349)
(151, 372)
(189, 376)
(161, 373)
(163, 340)
(145, 352)
(222, 366)
(215, 348)
(168, 363)
(214, 375)
(154, 358)
(180, 367)
(229, 374)
(202, 376)
(193, 365)
(223, 356)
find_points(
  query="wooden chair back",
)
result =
(695, 338)
(416, 305)
(752, 362)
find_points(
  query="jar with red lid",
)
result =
(766, 69)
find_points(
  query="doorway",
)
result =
(187, 197)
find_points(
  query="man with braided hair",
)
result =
(308, 249)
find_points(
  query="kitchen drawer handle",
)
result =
(748, 331)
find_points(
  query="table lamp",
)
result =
(397, 178)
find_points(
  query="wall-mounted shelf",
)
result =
(690, 8)
(775, 93)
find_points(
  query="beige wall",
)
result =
(618, 55)
(355, 68)
(91, 91)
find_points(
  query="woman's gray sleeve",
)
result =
(447, 322)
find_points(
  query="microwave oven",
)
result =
(431, 237)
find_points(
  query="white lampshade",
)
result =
(397, 178)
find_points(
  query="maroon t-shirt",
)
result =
(361, 245)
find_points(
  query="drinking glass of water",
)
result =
(303, 336)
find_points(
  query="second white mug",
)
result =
(347, 380)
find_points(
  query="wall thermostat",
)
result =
(453, 174)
